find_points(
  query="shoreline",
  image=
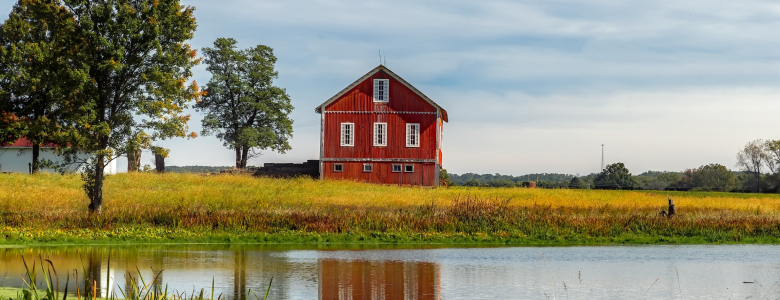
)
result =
(382, 239)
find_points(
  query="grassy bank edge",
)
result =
(391, 239)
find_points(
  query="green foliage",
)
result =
(500, 183)
(472, 182)
(41, 74)
(576, 183)
(616, 177)
(713, 177)
(243, 107)
(656, 180)
(139, 65)
(444, 176)
(500, 180)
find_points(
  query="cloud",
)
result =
(530, 86)
(670, 130)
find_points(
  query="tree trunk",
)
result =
(244, 158)
(159, 162)
(93, 282)
(36, 153)
(238, 157)
(133, 160)
(97, 191)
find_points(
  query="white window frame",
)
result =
(347, 140)
(368, 168)
(413, 135)
(380, 126)
(400, 168)
(335, 169)
(407, 171)
(384, 96)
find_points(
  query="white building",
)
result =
(17, 158)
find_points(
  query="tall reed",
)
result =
(138, 289)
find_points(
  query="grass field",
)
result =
(146, 207)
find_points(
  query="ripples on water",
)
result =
(300, 272)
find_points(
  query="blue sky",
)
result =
(530, 86)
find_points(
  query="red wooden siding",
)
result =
(424, 173)
(361, 98)
(405, 106)
(364, 136)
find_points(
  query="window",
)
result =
(338, 167)
(413, 135)
(381, 90)
(396, 168)
(347, 134)
(380, 134)
(409, 168)
(368, 168)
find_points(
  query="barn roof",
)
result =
(396, 77)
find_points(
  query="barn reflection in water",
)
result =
(378, 280)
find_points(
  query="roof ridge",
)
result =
(373, 71)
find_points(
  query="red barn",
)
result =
(381, 129)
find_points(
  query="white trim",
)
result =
(347, 135)
(338, 165)
(370, 168)
(400, 168)
(382, 90)
(383, 130)
(322, 146)
(412, 135)
(408, 165)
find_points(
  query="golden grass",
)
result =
(188, 205)
(138, 191)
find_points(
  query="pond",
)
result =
(419, 272)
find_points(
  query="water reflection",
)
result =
(378, 280)
(236, 271)
(307, 272)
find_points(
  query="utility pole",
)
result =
(602, 157)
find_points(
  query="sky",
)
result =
(529, 86)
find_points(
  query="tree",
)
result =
(751, 158)
(616, 176)
(41, 74)
(139, 66)
(772, 155)
(243, 107)
(576, 183)
(713, 177)
(444, 176)
(472, 182)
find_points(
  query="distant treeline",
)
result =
(546, 180)
(711, 177)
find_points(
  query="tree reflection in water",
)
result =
(235, 269)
